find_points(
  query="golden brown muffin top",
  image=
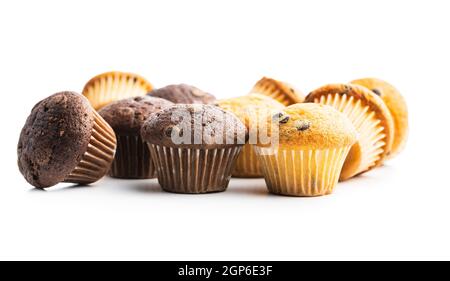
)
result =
(313, 126)
(396, 105)
(251, 107)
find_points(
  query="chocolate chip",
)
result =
(168, 132)
(281, 118)
(377, 92)
(284, 120)
(302, 125)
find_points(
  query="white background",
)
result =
(399, 211)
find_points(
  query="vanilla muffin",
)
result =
(280, 91)
(194, 147)
(372, 121)
(314, 141)
(396, 105)
(126, 117)
(115, 85)
(251, 110)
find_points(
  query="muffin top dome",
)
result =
(249, 108)
(314, 126)
(183, 93)
(127, 115)
(194, 126)
(54, 138)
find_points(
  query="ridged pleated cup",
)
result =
(301, 172)
(247, 165)
(371, 142)
(278, 90)
(97, 159)
(132, 159)
(111, 86)
(192, 170)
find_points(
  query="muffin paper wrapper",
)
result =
(301, 172)
(113, 87)
(371, 137)
(189, 170)
(247, 165)
(99, 155)
(272, 91)
(132, 159)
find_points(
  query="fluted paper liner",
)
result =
(113, 86)
(275, 90)
(247, 165)
(99, 155)
(132, 159)
(189, 170)
(301, 172)
(367, 151)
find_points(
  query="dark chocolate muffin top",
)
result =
(127, 116)
(194, 126)
(183, 93)
(54, 138)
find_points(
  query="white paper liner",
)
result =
(112, 87)
(301, 172)
(247, 165)
(371, 136)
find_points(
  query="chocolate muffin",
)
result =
(132, 159)
(194, 147)
(64, 139)
(183, 93)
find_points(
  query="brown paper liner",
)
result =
(247, 165)
(301, 172)
(367, 151)
(99, 155)
(132, 159)
(189, 170)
